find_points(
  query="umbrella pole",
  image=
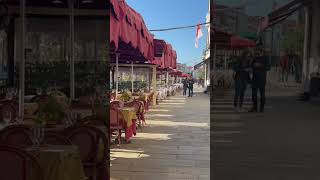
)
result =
(22, 62)
(71, 33)
(132, 85)
(117, 73)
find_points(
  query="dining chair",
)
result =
(115, 104)
(17, 164)
(93, 146)
(116, 123)
(138, 107)
(17, 135)
(10, 108)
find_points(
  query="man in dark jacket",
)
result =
(260, 66)
(190, 85)
(185, 86)
(241, 69)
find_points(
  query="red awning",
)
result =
(128, 33)
(238, 42)
(285, 11)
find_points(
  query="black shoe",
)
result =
(261, 110)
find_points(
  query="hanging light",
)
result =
(57, 2)
(86, 1)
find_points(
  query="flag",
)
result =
(199, 34)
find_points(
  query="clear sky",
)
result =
(159, 14)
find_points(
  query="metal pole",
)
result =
(132, 86)
(214, 65)
(72, 39)
(167, 79)
(306, 61)
(205, 74)
(22, 60)
(271, 46)
(117, 73)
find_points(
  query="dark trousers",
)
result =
(190, 91)
(262, 91)
(240, 89)
(184, 91)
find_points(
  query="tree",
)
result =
(293, 41)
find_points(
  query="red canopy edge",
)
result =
(238, 42)
(130, 37)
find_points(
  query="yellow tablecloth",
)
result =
(60, 162)
(128, 114)
(30, 108)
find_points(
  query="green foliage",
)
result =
(125, 97)
(51, 111)
(294, 41)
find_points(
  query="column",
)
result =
(22, 56)
(154, 84)
(71, 49)
(205, 73)
(132, 79)
(117, 74)
(306, 50)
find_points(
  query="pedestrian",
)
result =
(297, 68)
(190, 85)
(185, 86)
(284, 63)
(260, 66)
(241, 69)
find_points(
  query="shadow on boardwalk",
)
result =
(280, 144)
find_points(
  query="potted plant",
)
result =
(125, 97)
(51, 112)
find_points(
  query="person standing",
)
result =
(241, 69)
(185, 86)
(284, 63)
(260, 66)
(190, 85)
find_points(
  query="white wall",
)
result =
(315, 38)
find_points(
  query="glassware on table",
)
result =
(15, 91)
(6, 117)
(9, 94)
(37, 135)
(39, 91)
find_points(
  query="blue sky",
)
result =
(159, 14)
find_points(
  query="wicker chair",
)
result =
(116, 123)
(9, 107)
(17, 135)
(15, 164)
(89, 140)
(138, 106)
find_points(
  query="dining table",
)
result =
(129, 117)
(58, 162)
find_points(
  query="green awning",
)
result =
(249, 35)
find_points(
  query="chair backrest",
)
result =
(134, 104)
(8, 107)
(55, 139)
(17, 135)
(17, 164)
(112, 96)
(114, 116)
(82, 137)
(115, 104)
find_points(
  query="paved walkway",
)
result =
(174, 144)
(281, 144)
